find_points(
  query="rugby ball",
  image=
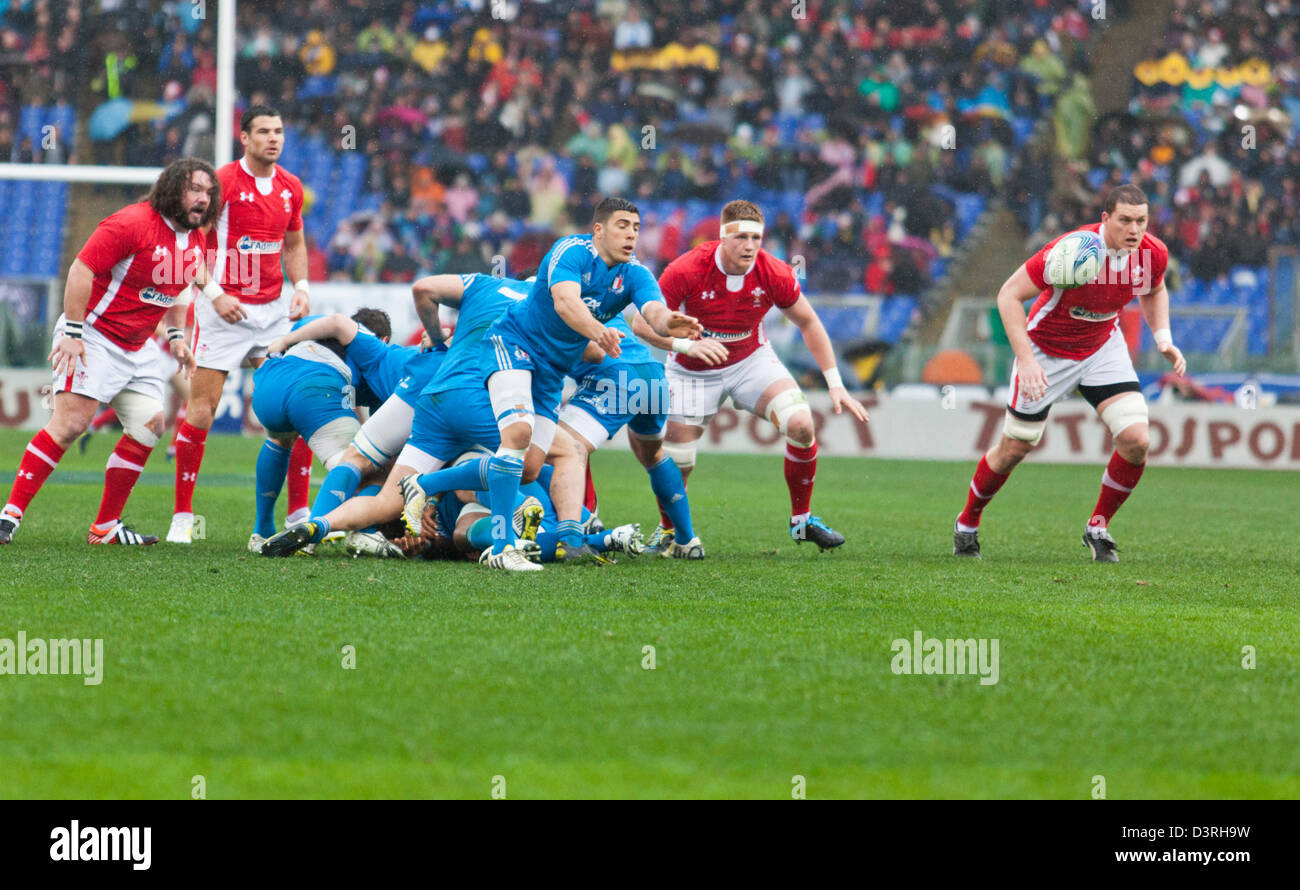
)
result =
(1074, 260)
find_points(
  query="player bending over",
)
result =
(311, 391)
(125, 280)
(584, 281)
(632, 391)
(1071, 338)
(730, 284)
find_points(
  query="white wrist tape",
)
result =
(833, 378)
(174, 334)
(212, 290)
(301, 284)
(1163, 337)
(682, 345)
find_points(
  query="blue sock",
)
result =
(504, 472)
(548, 541)
(339, 485)
(322, 529)
(666, 482)
(469, 476)
(480, 534)
(272, 464)
(369, 491)
(569, 532)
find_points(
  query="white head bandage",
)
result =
(738, 226)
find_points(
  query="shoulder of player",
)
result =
(139, 219)
(695, 259)
(294, 182)
(766, 264)
(1154, 244)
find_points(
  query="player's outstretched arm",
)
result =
(336, 327)
(433, 291)
(567, 296)
(667, 323)
(711, 352)
(1011, 306)
(805, 318)
(76, 297)
(1155, 309)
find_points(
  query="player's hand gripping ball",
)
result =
(1074, 260)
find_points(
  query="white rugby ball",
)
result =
(1074, 260)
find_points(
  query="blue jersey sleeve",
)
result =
(367, 351)
(568, 264)
(643, 286)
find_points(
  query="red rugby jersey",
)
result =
(730, 307)
(1075, 322)
(248, 238)
(142, 263)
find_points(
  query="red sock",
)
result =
(982, 488)
(589, 496)
(663, 518)
(1117, 483)
(800, 471)
(125, 465)
(299, 476)
(103, 419)
(39, 461)
(189, 457)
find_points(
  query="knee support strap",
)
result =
(1030, 431)
(135, 410)
(1125, 411)
(682, 453)
(784, 406)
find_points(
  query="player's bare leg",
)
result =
(567, 485)
(1126, 416)
(787, 407)
(993, 470)
(191, 438)
(72, 416)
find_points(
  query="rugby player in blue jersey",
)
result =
(311, 390)
(584, 281)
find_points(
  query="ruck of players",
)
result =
(465, 446)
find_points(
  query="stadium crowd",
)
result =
(1209, 136)
(502, 131)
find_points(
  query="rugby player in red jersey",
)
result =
(242, 310)
(126, 279)
(1071, 338)
(729, 285)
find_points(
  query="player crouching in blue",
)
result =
(309, 391)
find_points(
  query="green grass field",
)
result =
(772, 661)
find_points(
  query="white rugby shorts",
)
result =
(223, 346)
(1107, 367)
(695, 396)
(108, 369)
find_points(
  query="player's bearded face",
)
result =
(1126, 226)
(616, 239)
(195, 199)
